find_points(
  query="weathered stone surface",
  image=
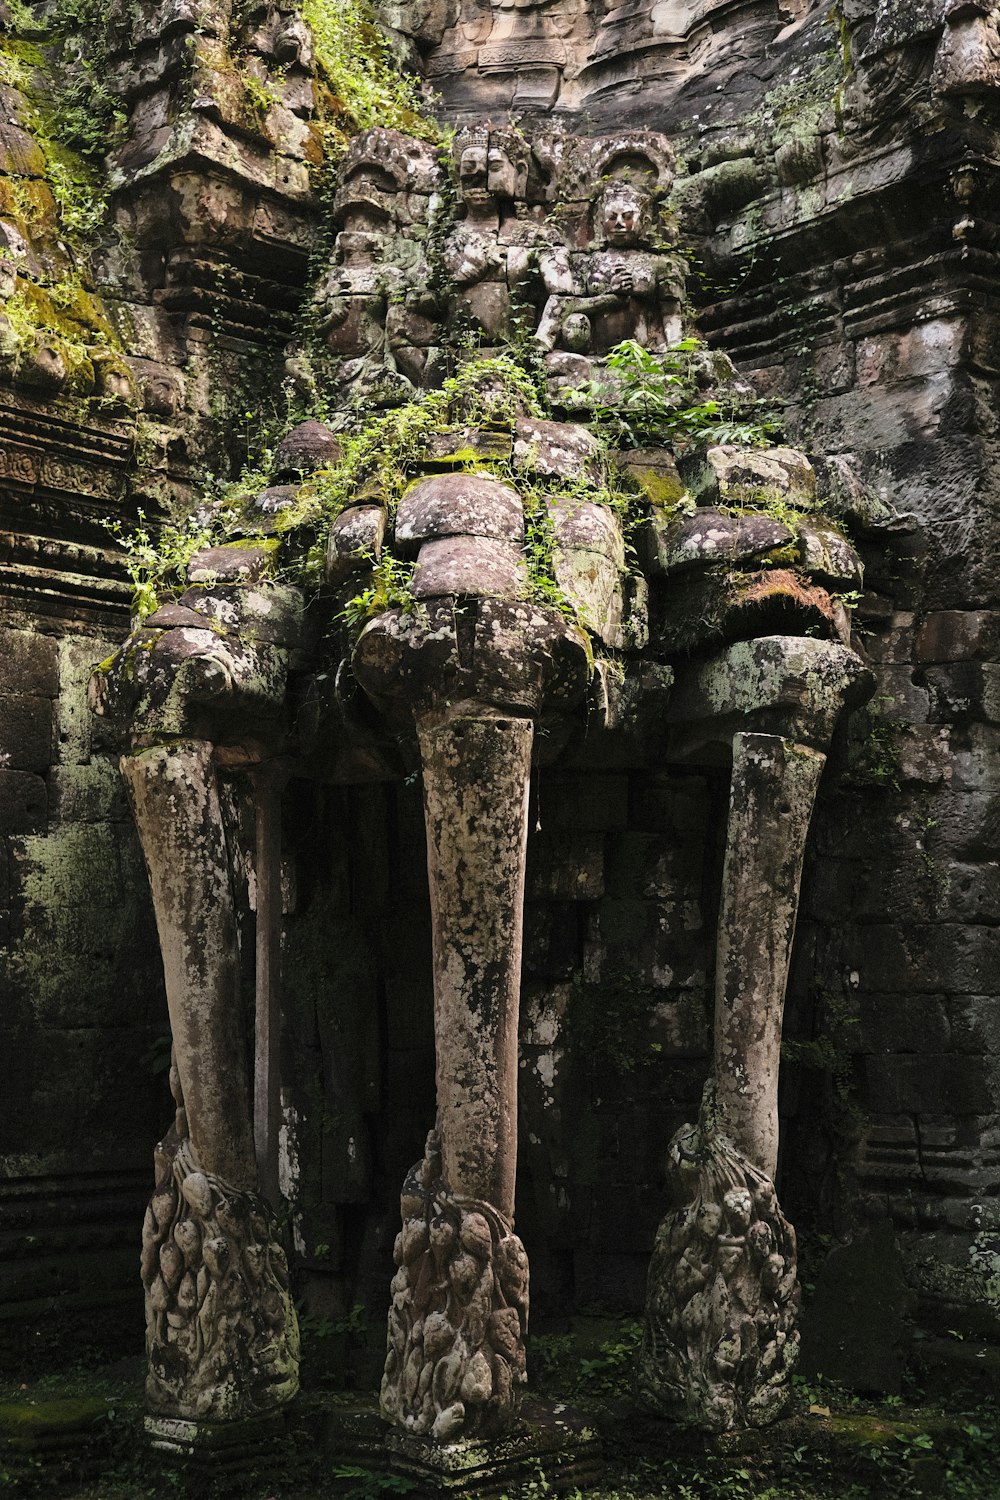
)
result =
(236, 564)
(448, 505)
(809, 679)
(524, 656)
(556, 450)
(469, 565)
(714, 536)
(354, 542)
(25, 732)
(720, 1340)
(305, 449)
(23, 802)
(28, 663)
(730, 475)
(455, 1361)
(854, 1325)
(268, 503)
(958, 635)
(176, 804)
(565, 866)
(221, 1332)
(703, 609)
(177, 617)
(589, 527)
(772, 791)
(829, 556)
(844, 492)
(654, 471)
(964, 690)
(592, 581)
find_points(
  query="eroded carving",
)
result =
(719, 1341)
(455, 1361)
(221, 1334)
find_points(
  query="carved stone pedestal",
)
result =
(218, 1448)
(547, 1437)
(719, 1341)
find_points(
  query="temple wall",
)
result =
(849, 271)
(84, 1022)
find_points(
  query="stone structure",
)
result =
(720, 1338)
(835, 195)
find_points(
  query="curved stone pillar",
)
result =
(476, 773)
(176, 805)
(720, 1341)
(473, 675)
(221, 1334)
(772, 792)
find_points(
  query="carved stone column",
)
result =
(771, 798)
(176, 805)
(476, 773)
(221, 1338)
(221, 1335)
(473, 674)
(720, 1338)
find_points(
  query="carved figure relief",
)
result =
(376, 308)
(583, 280)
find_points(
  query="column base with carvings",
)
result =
(455, 1363)
(221, 1333)
(720, 1340)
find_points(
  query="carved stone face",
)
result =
(472, 171)
(507, 176)
(624, 216)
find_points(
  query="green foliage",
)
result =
(390, 588)
(89, 114)
(356, 62)
(371, 1485)
(156, 561)
(381, 452)
(609, 1371)
(649, 399)
(353, 1324)
(567, 1363)
(71, 109)
(877, 763)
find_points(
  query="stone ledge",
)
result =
(218, 1447)
(549, 1434)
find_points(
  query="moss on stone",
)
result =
(21, 1422)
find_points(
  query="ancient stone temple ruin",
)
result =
(499, 720)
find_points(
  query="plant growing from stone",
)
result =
(647, 399)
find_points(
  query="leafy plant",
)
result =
(371, 1485)
(646, 398)
(390, 588)
(156, 561)
(366, 84)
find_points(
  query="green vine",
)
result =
(364, 83)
